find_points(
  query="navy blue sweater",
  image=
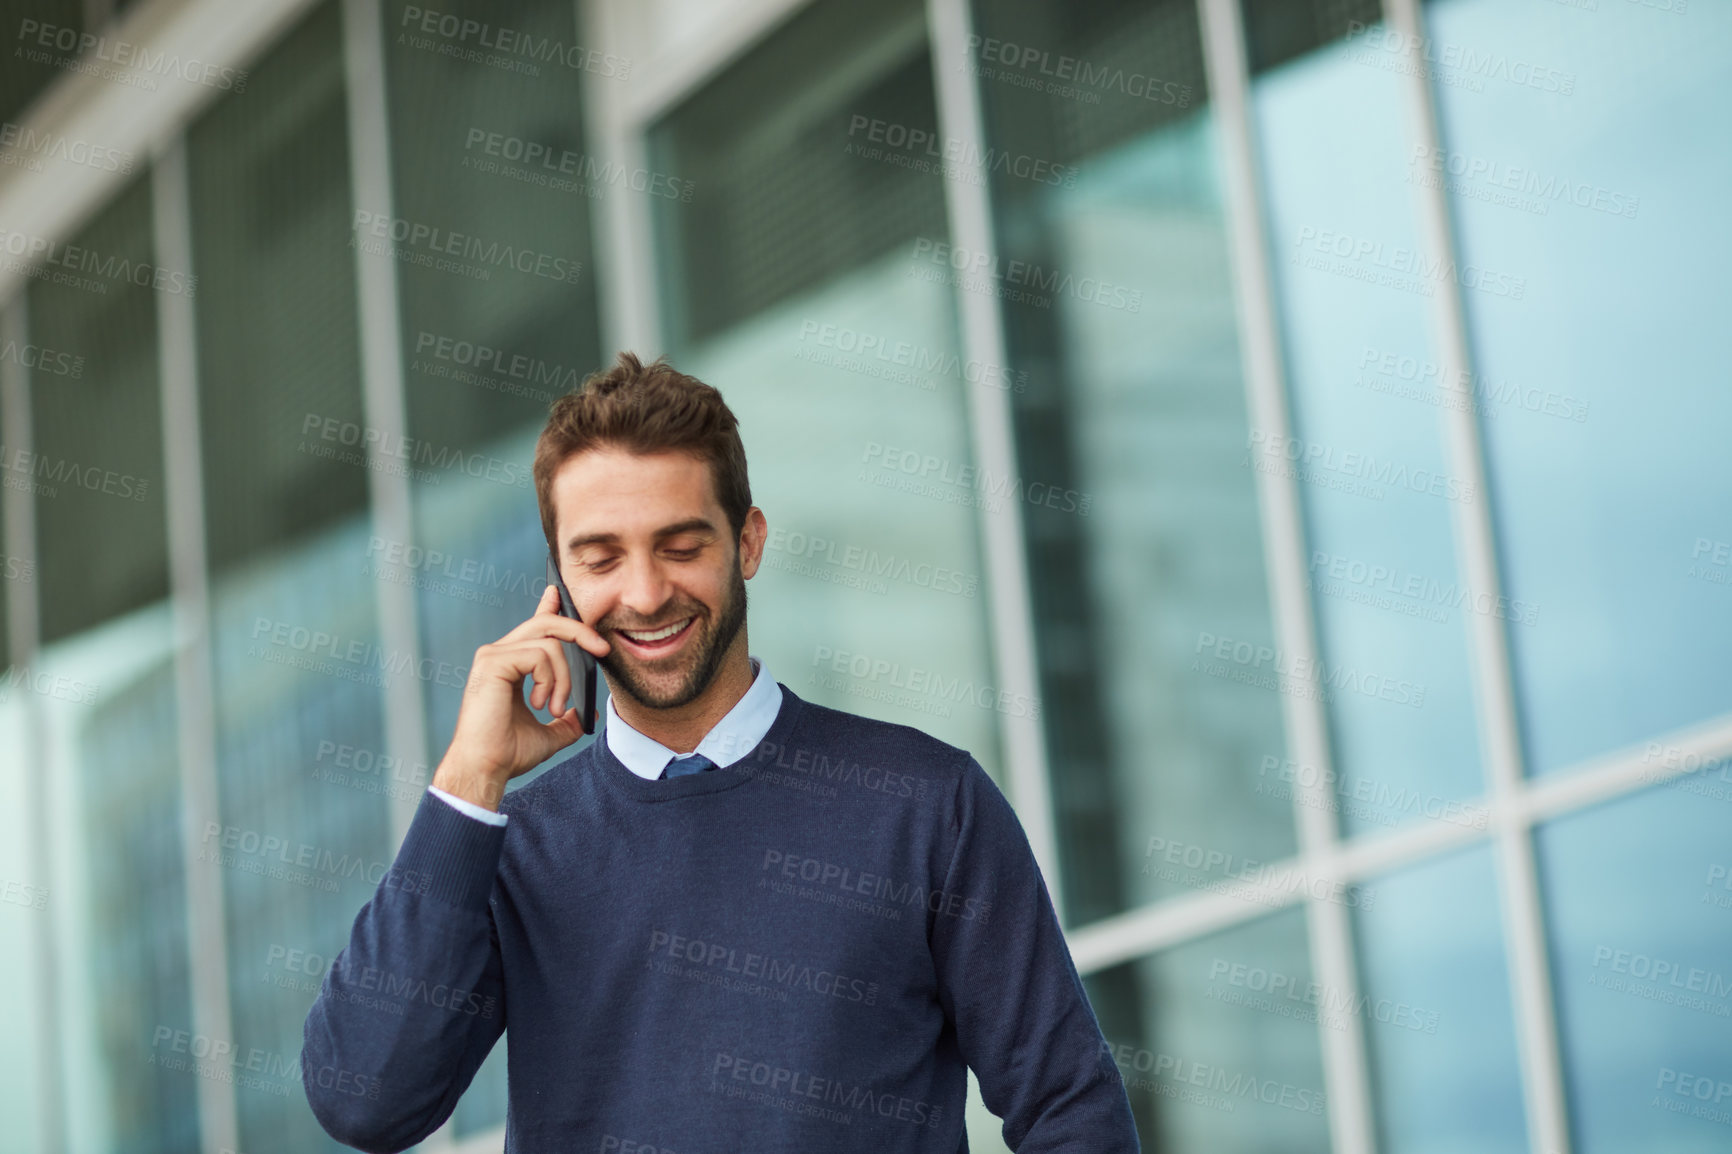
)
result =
(793, 954)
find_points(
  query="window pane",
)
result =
(1367, 448)
(1119, 317)
(1439, 1023)
(297, 658)
(871, 598)
(16, 567)
(96, 427)
(1640, 916)
(1582, 169)
(782, 149)
(24, 1085)
(1277, 31)
(495, 155)
(41, 34)
(126, 905)
(102, 690)
(1217, 1041)
(278, 353)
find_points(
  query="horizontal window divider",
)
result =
(1171, 921)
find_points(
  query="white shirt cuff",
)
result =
(469, 807)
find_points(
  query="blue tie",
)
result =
(691, 763)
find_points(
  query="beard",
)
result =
(702, 663)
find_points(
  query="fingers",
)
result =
(540, 659)
(535, 626)
(581, 633)
(565, 729)
(562, 688)
(552, 736)
(547, 621)
(552, 680)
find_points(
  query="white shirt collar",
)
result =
(735, 735)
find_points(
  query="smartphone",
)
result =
(578, 659)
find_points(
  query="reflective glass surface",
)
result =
(1574, 151)
(299, 667)
(1439, 1023)
(1640, 917)
(94, 712)
(1367, 448)
(1217, 1040)
(1148, 585)
(798, 299)
(96, 425)
(490, 164)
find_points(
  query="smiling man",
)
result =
(738, 921)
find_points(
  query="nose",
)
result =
(646, 589)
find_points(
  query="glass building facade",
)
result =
(1283, 440)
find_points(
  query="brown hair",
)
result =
(645, 409)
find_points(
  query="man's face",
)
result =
(647, 554)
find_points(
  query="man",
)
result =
(739, 921)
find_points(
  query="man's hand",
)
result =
(497, 736)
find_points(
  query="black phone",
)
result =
(579, 660)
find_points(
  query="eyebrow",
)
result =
(693, 525)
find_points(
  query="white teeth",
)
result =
(657, 635)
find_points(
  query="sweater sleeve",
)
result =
(412, 1005)
(1007, 982)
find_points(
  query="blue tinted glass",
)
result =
(304, 832)
(95, 852)
(796, 298)
(1584, 147)
(1149, 600)
(93, 914)
(499, 154)
(860, 623)
(1640, 914)
(1217, 1040)
(1432, 965)
(1158, 407)
(1367, 448)
(298, 669)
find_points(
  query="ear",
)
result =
(753, 534)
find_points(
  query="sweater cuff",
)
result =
(456, 856)
(491, 817)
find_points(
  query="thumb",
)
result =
(567, 727)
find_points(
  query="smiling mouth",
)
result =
(654, 639)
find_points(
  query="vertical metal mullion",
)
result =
(23, 627)
(1494, 692)
(624, 246)
(969, 212)
(24, 631)
(1330, 932)
(189, 596)
(382, 398)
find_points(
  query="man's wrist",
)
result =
(463, 807)
(468, 785)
